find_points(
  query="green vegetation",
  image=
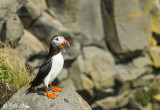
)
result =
(145, 97)
(12, 70)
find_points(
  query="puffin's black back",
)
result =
(46, 66)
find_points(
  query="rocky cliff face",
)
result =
(114, 58)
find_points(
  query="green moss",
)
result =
(142, 98)
(145, 97)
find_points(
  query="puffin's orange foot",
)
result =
(56, 89)
(52, 95)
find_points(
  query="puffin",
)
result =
(51, 66)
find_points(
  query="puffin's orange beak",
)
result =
(66, 41)
(61, 45)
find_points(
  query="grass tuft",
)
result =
(12, 70)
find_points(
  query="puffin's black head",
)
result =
(58, 41)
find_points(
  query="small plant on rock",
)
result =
(144, 97)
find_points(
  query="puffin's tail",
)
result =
(33, 84)
(28, 90)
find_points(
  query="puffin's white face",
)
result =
(59, 41)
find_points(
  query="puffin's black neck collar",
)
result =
(53, 51)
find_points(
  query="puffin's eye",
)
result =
(56, 39)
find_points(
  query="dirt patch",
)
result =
(6, 92)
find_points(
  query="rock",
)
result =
(122, 73)
(93, 29)
(63, 75)
(148, 107)
(112, 102)
(14, 30)
(76, 70)
(81, 81)
(45, 27)
(124, 109)
(31, 11)
(133, 70)
(140, 66)
(101, 60)
(35, 11)
(72, 15)
(29, 45)
(97, 65)
(157, 97)
(68, 99)
(137, 72)
(125, 31)
(142, 61)
(133, 103)
(143, 81)
(153, 42)
(57, 9)
(155, 55)
(13, 25)
(155, 14)
(9, 8)
(129, 74)
(2, 31)
(35, 61)
(156, 105)
(87, 83)
(25, 17)
(74, 50)
(67, 83)
(146, 6)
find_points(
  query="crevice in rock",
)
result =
(86, 96)
(119, 108)
(109, 23)
(55, 82)
(82, 52)
(98, 108)
(155, 71)
(120, 59)
(33, 21)
(101, 95)
(41, 55)
(24, 14)
(157, 37)
(117, 86)
(132, 107)
(96, 45)
(15, 43)
(3, 32)
(89, 76)
(68, 63)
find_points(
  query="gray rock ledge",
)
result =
(68, 99)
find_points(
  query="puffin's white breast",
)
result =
(57, 65)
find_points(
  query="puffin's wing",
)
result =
(42, 73)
